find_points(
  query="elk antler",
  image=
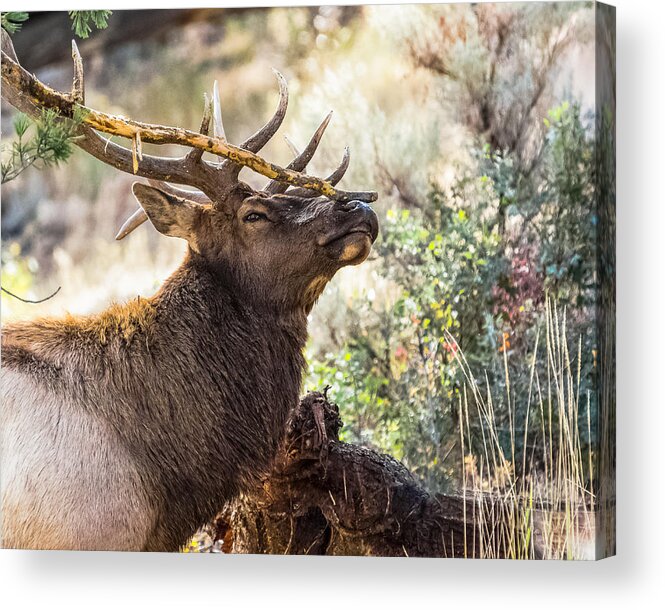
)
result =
(302, 159)
(333, 178)
(24, 91)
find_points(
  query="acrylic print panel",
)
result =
(400, 348)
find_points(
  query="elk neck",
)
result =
(197, 295)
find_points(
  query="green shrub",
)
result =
(470, 271)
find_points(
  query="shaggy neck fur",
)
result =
(195, 382)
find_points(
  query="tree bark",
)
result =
(327, 497)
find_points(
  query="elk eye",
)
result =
(255, 216)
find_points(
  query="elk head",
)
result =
(278, 245)
(272, 248)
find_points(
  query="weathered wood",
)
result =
(30, 95)
(327, 497)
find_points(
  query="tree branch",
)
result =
(27, 93)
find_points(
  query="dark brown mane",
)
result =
(161, 409)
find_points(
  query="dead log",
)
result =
(327, 497)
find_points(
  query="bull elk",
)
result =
(130, 428)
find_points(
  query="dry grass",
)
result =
(524, 512)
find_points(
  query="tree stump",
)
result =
(327, 497)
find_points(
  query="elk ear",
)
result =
(170, 215)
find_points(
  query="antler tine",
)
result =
(301, 161)
(133, 222)
(340, 170)
(7, 45)
(218, 125)
(294, 149)
(78, 94)
(139, 217)
(256, 142)
(333, 178)
(195, 196)
(196, 153)
(24, 91)
(151, 167)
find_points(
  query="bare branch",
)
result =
(25, 91)
(7, 46)
(11, 294)
(159, 168)
(28, 94)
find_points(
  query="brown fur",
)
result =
(129, 429)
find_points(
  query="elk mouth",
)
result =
(363, 223)
(365, 230)
(351, 245)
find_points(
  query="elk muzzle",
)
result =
(356, 229)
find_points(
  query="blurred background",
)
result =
(474, 122)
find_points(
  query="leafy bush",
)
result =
(470, 271)
(44, 142)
